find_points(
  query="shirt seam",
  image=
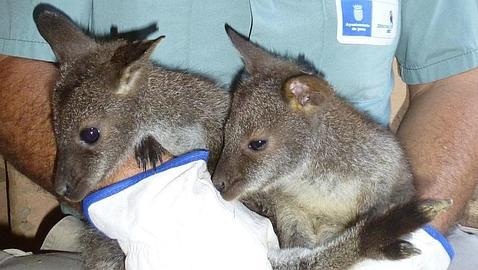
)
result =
(22, 40)
(441, 61)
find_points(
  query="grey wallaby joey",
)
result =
(297, 153)
(109, 100)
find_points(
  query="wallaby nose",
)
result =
(220, 186)
(219, 177)
(64, 189)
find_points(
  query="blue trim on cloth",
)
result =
(124, 184)
(440, 238)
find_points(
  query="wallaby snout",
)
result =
(69, 180)
(219, 179)
(220, 186)
(70, 190)
(229, 179)
(63, 188)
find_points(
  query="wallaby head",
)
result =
(91, 112)
(268, 135)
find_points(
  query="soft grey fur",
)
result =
(323, 166)
(100, 252)
(113, 87)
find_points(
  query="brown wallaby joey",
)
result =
(110, 99)
(297, 153)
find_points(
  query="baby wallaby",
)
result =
(110, 99)
(297, 153)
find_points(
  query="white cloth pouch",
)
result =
(172, 218)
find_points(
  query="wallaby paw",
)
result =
(149, 152)
(380, 235)
(431, 208)
(400, 250)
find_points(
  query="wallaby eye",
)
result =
(257, 145)
(89, 135)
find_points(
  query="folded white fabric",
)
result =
(172, 218)
(436, 254)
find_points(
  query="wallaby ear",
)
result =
(305, 92)
(255, 58)
(130, 58)
(66, 39)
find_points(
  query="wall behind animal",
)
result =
(29, 213)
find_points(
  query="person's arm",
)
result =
(440, 135)
(26, 134)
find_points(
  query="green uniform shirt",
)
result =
(353, 42)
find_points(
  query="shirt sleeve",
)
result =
(439, 39)
(19, 35)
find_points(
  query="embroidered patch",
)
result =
(373, 22)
